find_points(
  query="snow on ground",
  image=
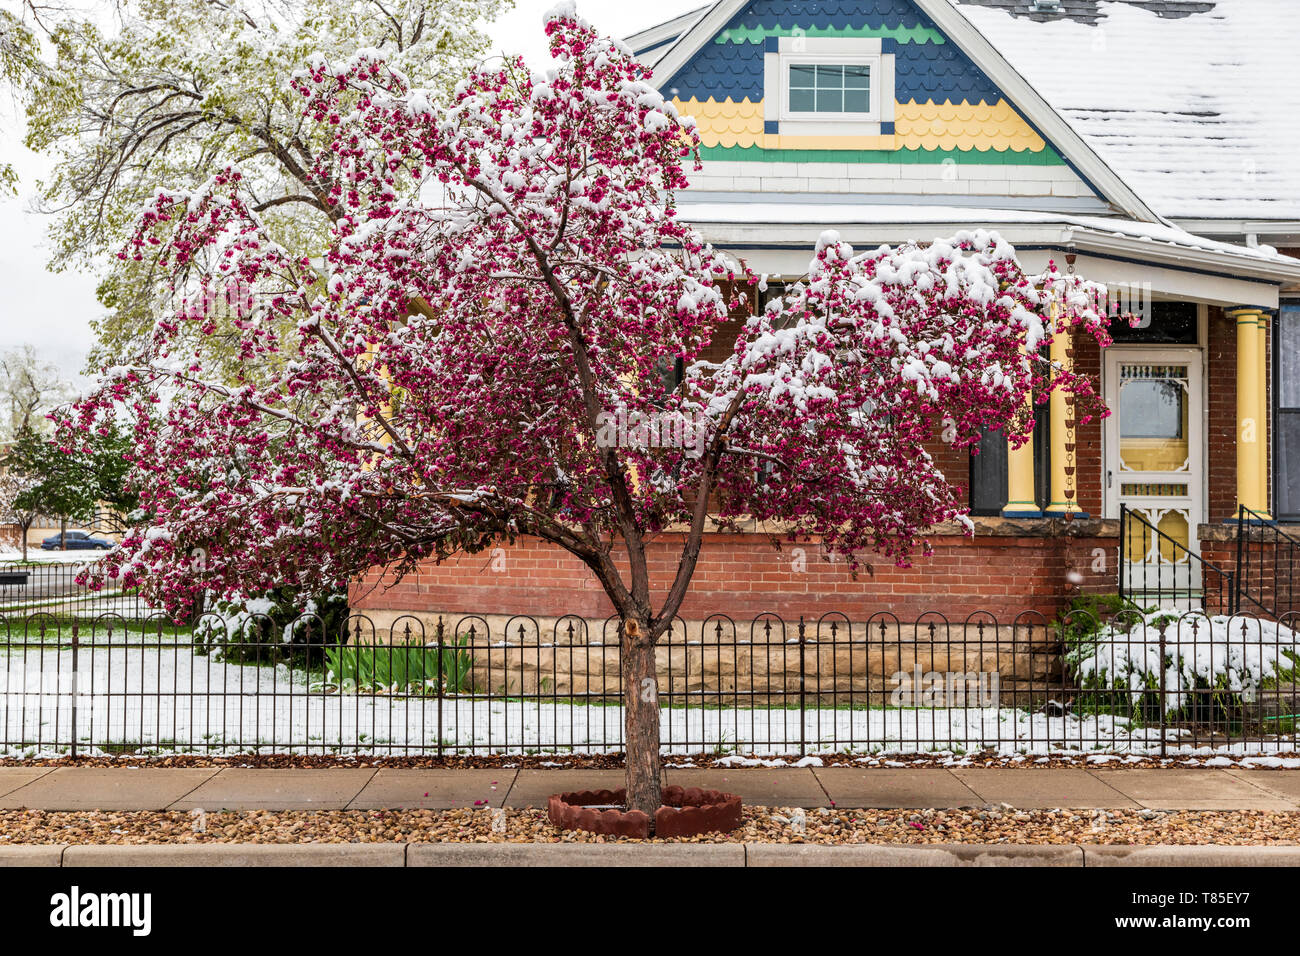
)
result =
(129, 696)
(37, 555)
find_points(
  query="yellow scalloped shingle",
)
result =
(964, 126)
(725, 123)
(948, 126)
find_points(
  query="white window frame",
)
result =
(798, 51)
(790, 60)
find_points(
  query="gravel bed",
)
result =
(761, 824)
(1095, 761)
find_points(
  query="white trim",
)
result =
(663, 34)
(792, 221)
(827, 46)
(975, 45)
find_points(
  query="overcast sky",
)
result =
(52, 312)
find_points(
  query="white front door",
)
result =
(1153, 443)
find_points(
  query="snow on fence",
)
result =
(1151, 683)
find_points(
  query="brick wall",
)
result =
(744, 575)
(1089, 466)
(1221, 433)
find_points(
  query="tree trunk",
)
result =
(641, 706)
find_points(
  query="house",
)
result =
(1151, 145)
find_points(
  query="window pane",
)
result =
(830, 101)
(1288, 351)
(1172, 322)
(856, 101)
(1151, 410)
(1153, 422)
(988, 474)
(802, 101)
(1288, 465)
(830, 77)
(830, 88)
(803, 76)
(857, 77)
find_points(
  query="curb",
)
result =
(641, 855)
(896, 854)
(32, 855)
(576, 854)
(238, 854)
(1192, 855)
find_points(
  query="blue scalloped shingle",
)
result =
(721, 70)
(923, 71)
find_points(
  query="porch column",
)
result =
(1022, 502)
(1252, 410)
(1064, 500)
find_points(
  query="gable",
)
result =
(939, 101)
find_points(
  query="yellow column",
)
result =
(1060, 504)
(1020, 482)
(1262, 413)
(1021, 500)
(1252, 411)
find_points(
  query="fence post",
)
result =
(803, 699)
(75, 644)
(1123, 550)
(1236, 591)
(1164, 736)
(438, 632)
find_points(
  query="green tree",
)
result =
(43, 478)
(187, 87)
(20, 60)
(29, 389)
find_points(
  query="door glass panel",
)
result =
(1153, 425)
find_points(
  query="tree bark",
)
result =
(641, 708)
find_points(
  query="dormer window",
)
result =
(831, 89)
(828, 86)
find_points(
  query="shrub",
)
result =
(402, 668)
(1211, 667)
(280, 626)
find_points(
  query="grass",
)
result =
(418, 668)
(56, 631)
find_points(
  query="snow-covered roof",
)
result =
(1191, 103)
(1172, 238)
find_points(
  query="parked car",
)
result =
(76, 541)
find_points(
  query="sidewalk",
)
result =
(131, 788)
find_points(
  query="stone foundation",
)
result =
(724, 663)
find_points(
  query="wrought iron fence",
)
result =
(52, 587)
(1268, 559)
(478, 684)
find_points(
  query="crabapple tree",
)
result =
(486, 358)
